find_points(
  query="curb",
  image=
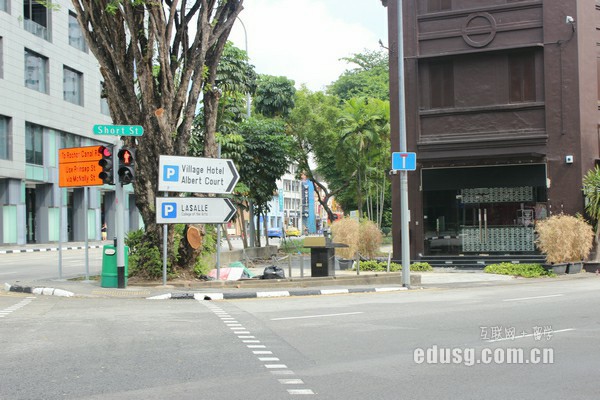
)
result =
(279, 293)
(38, 291)
(48, 249)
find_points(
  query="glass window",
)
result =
(521, 69)
(34, 140)
(36, 17)
(36, 71)
(72, 86)
(441, 84)
(103, 101)
(76, 38)
(68, 140)
(3, 5)
(5, 142)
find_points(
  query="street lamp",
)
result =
(250, 203)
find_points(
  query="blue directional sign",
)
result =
(404, 161)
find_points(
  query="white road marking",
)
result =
(335, 291)
(317, 316)
(291, 381)
(300, 391)
(262, 352)
(276, 366)
(535, 297)
(256, 346)
(268, 359)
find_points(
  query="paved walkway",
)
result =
(299, 283)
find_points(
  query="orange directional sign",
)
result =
(78, 166)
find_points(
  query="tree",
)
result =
(156, 58)
(591, 192)
(312, 124)
(362, 122)
(370, 77)
(274, 96)
(265, 159)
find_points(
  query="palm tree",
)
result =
(360, 131)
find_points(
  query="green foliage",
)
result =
(205, 262)
(145, 259)
(524, 270)
(591, 191)
(381, 266)
(266, 158)
(274, 96)
(293, 246)
(370, 78)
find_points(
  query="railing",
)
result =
(36, 29)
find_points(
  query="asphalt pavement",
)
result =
(297, 282)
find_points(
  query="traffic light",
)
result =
(126, 170)
(106, 162)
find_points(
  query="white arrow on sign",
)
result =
(193, 210)
(196, 175)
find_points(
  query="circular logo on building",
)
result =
(479, 29)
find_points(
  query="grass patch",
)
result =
(524, 270)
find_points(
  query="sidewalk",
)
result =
(344, 281)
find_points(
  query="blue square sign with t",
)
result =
(169, 210)
(404, 161)
(171, 173)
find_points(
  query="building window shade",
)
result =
(441, 84)
(521, 68)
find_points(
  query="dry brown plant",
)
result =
(564, 238)
(364, 237)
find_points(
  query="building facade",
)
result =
(50, 99)
(502, 111)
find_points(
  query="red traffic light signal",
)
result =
(126, 170)
(106, 162)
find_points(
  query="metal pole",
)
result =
(60, 232)
(302, 266)
(404, 213)
(290, 266)
(119, 215)
(219, 232)
(250, 203)
(165, 249)
(85, 229)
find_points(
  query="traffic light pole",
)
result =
(119, 217)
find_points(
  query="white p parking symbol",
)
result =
(171, 173)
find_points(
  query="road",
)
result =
(328, 347)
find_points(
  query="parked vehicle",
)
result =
(274, 232)
(292, 231)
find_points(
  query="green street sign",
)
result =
(119, 130)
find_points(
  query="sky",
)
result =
(304, 40)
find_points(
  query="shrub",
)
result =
(524, 270)
(564, 238)
(205, 262)
(381, 266)
(345, 231)
(145, 260)
(364, 237)
(293, 246)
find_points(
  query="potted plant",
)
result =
(566, 241)
(364, 238)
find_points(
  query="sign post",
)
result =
(193, 210)
(196, 175)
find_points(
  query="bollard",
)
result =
(302, 266)
(290, 266)
(389, 261)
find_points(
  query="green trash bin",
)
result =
(109, 266)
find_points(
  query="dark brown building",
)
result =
(502, 110)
